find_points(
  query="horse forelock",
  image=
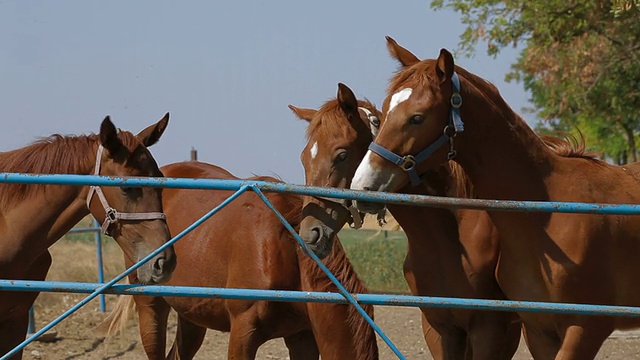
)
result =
(330, 120)
(413, 76)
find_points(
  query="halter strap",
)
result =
(454, 126)
(356, 216)
(373, 120)
(112, 215)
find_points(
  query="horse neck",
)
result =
(59, 208)
(346, 332)
(442, 223)
(502, 156)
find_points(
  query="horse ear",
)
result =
(349, 105)
(347, 101)
(303, 113)
(109, 136)
(445, 66)
(404, 56)
(152, 133)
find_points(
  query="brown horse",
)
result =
(33, 217)
(246, 246)
(574, 258)
(438, 263)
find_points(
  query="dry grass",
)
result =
(74, 259)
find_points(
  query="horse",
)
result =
(456, 258)
(246, 246)
(33, 217)
(550, 257)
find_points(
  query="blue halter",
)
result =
(455, 125)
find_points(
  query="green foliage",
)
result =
(580, 60)
(377, 259)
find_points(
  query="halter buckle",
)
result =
(456, 100)
(111, 215)
(408, 163)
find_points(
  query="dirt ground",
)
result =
(75, 338)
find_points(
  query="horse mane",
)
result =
(569, 145)
(54, 154)
(337, 262)
(328, 118)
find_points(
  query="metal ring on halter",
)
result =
(456, 100)
(408, 163)
(450, 131)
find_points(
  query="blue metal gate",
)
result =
(240, 186)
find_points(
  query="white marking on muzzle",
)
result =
(399, 97)
(363, 173)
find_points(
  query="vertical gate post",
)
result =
(98, 237)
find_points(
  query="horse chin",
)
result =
(320, 245)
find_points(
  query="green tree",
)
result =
(580, 60)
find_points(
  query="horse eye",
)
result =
(375, 122)
(417, 119)
(342, 156)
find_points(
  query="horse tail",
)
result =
(118, 318)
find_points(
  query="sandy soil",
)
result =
(76, 340)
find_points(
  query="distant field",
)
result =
(377, 257)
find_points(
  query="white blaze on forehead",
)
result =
(399, 97)
(314, 150)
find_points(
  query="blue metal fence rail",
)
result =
(313, 296)
(241, 186)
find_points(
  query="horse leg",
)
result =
(153, 313)
(432, 338)
(13, 329)
(583, 342)
(444, 341)
(493, 336)
(542, 345)
(189, 338)
(244, 337)
(302, 346)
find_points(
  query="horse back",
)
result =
(244, 245)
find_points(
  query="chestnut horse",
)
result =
(246, 246)
(438, 262)
(36, 216)
(556, 257)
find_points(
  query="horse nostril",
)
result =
(367, 188)
(316, 234)
(159, 264)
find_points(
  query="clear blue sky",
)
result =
(226, 70)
